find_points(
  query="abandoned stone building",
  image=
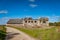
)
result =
(29, 22)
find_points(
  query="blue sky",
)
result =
(32, 8)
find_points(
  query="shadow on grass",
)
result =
(2, 35)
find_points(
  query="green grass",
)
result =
(2, 32)
(42, 34)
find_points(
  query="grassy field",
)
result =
(2, 32)
(42, 34)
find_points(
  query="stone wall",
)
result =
(15, 25)
(29, 23)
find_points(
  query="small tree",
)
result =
(50, 24)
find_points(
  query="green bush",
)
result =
(2, 32)
(2, 35)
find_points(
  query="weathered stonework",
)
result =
(29, 22)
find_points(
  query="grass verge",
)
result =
(42, 34)
(2, 32)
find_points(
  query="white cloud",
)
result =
(32, 0)
(3, 11)
(33, 5)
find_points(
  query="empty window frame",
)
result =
(35, 21)
(31, 21)
(28, 21)
(25, 21)
(44, 21)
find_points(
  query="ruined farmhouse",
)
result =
(29, 22)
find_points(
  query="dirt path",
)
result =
(14, 34)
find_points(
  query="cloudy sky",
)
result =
(30, 8)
